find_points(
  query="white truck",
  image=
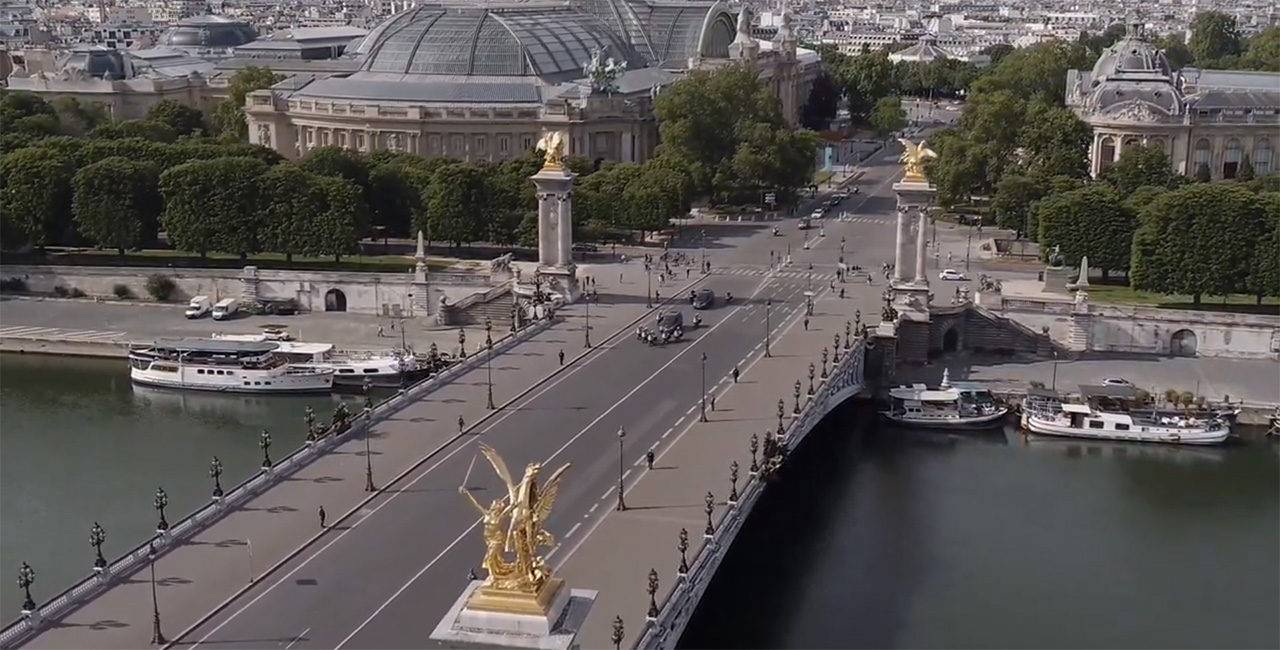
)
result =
(226, 308)
(199, 306)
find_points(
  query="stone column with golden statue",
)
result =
(519, 604)
(915, 196)
(554, 185)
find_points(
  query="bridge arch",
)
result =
(335, 300)
(1183, 343)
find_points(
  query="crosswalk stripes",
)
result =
(757, 271)
(28, 331)
(759, 218)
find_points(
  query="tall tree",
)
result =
(117, 203)
(1013, 204)
(183, 119)
(26, 113)
(337, 228)
(1055, 141)
(1089, 221)
(77, 117)
(1264, 272)
(214, 205)
(1175, 50)
(1262, 51)
(1036, 72)
(145, 129)
(228, 115)
(1199, 239)
(453, 203)
(865, 79)
(35, 194)
(1213, 36)
(349, 165)
(394, 199)
(888, 116)
(1139, 167)
(820, 108)
(291, 200)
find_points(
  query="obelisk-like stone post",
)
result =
(421, 302)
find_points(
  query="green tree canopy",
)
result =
(395, 199)
(117, 203)
(1199, 239)
(820, 108)
(148, 129)
(1264, 272)
(228, 115)
(1088, 221)
(1175, 50)
(336, 230)
(1055, 141)
(865, 79)
(1138, 167)
(35, 195)
(888, 116)
(1036, 72)
(349, 165)
(77, 118)
(1213, 36)
(183, 119)
(291, 202)
(214, 205)
(454, 203)
(1262, 51)
(1013, 204)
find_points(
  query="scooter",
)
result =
(697, 321)
(728, 298)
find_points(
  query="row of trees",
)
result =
(866, 78)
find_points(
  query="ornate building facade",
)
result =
(1212, 118)
(482, 81)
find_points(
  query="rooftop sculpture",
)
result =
(913, 157)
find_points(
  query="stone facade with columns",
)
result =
(1215, 118)
(482, 82)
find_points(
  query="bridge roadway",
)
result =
(389, 571)
(386, 577)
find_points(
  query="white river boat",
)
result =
(1113, 413)
(223, 365)
(962, 405)
(351, 368)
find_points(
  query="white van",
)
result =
(199, 306)
(226, 308)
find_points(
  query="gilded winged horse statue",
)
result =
(913, 157)
(552, 145)
(514, 526)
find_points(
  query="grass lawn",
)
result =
(165, 257)
(1121, 294)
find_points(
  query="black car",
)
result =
(704, 299)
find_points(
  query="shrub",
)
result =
(122, 291)
(60, 291)
(13, 284)
(75, 292)
(161, 287)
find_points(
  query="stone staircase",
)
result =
(472, 310)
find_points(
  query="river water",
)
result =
(881, 538)
(79, 444)
(874, 537)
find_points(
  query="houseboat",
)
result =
(223, 365)
(1115, 413)
(962, 405)
(350, 369)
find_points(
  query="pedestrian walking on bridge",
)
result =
(735, 374)
(562, 356)
(321, 513)
(649, 458)
(806, 323)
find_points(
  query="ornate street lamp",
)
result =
(653, 593)
(811, 371)
(767, 303)
(157, 637)
(824, 363)
(733, 482)
(704, 386)
(618, 633)
(796, 409)
(462, 343)
(586, 328)
(264, 441)
(97, 536)
(683, 547)
(781, 409)
(310, 419)
(26, 578)
(709, 508)
(754, 447)
(488, 367)
(622, 434)
(160, 502)
(215, 473)
(648, 283)
(368, 432)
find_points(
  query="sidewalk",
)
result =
(696, 460)
(198, 575)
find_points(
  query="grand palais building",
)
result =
(481, 81)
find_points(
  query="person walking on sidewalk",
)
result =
(321, 513)
(735, 373)
(806, 323)
(562, 356)
(649, 458)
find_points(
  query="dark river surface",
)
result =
(882, 538)
(874, 538)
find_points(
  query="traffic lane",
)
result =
(588, 492)
(554, 415)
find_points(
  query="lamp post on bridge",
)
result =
(824, 362)
(26, 578)
(160, 502)
(462, 343)
(768, 302)
(215, 472)
(97, 536)
(733, 482)
(683, 547)
(704, 386)
(586, 328)
(754, 446)
(488, 361)
(653, 594)
(264, 441)
(796, 409)
(648, 284)
(848, 328)
(811, 371)
(781, 409)
(622, 504)
(709, 508)
(368, 432)
(835, 350)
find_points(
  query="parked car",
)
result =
(952, 274)
(1117, 381)
(704, 299)
(586, 248)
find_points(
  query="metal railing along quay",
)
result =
(59, 605)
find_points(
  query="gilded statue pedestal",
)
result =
(556, 629)
(491, 599)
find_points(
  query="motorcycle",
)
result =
(697, 321)
(728, 298)
(775, 231)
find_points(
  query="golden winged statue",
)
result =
(514, 530)
(913, 157)
(552, 145)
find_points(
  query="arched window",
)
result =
(1106, 153)
(1261, 156)
(1231, 159)
(1132, 141)
(1201, 155)
(1158, 143)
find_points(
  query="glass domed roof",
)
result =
(208, 31)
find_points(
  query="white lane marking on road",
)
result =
(593, 508)
(693, 344)
(682, 417)
(74, 333)
(600, 520)
(101, 335)
(28, 331)
(297, 638)
(626, 474)
(573, 530)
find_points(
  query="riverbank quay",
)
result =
(701, 466)
(206, 569)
